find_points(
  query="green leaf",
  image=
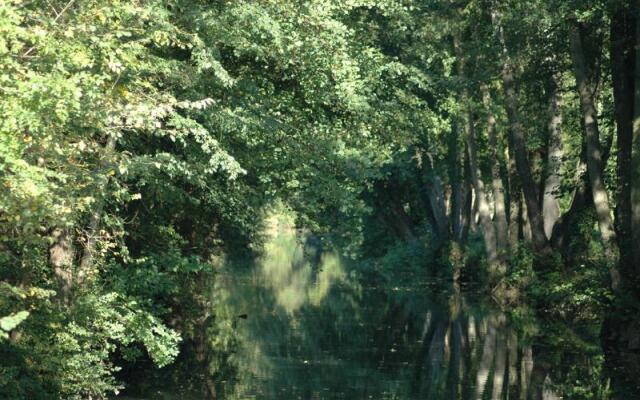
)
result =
(10, 322)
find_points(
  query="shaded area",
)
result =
(297, 324)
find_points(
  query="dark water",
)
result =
(290, 327)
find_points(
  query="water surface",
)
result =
(303, 325)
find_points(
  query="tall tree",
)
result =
(586, 90)
(518, 140)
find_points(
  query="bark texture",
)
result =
(518, 141)
(550, 203)
(635, 154)
(594, 156)
(500, 212)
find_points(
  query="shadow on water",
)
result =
(299, 325)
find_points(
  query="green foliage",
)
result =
(11, 322)
(401, 263)
(103, 324)
(521, 265)
(141, 143)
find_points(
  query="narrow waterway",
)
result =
(301, 324)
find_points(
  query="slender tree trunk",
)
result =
(525, 225)
(550, 203)
(473, 221)
(500, 213)
(581, 197)
(514, 201)
(88, 253)
(457, 200)
(622, 72)
(484, 212)
(635, 158)
(423, 198)
(61, 255)
(402, 221)
(436, 199)
(459, 221)
(520, 151)
(435, 192)
(594, 156)
(468, 202)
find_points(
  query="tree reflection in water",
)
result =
(313, 330)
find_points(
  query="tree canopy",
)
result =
(141, 142)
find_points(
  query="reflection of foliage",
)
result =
(287, 270)
(304, 346)
(316, 330)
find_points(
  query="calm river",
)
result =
(296, 325)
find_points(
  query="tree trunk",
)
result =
(619, 333)
(436, 199)
(525, 232)
(484, 212)
(538, 375)
(391, 214)
(61, 255)
(88, 253)
(635, 161)
(594, 156)
(514, 201)
(402, 221)
(500, 213)
(457, 200)
(581, 197)
(520, 151)
(468, 202)
(622, 72)
(550, 203)
(435, 194)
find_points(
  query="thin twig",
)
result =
(116, 81)
(65, 8)
(53, 8)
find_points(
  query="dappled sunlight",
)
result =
(319, 199)
(331, 272)
(311, 333)
(283, 294)
(286, 270)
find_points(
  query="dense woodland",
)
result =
(142, 141)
